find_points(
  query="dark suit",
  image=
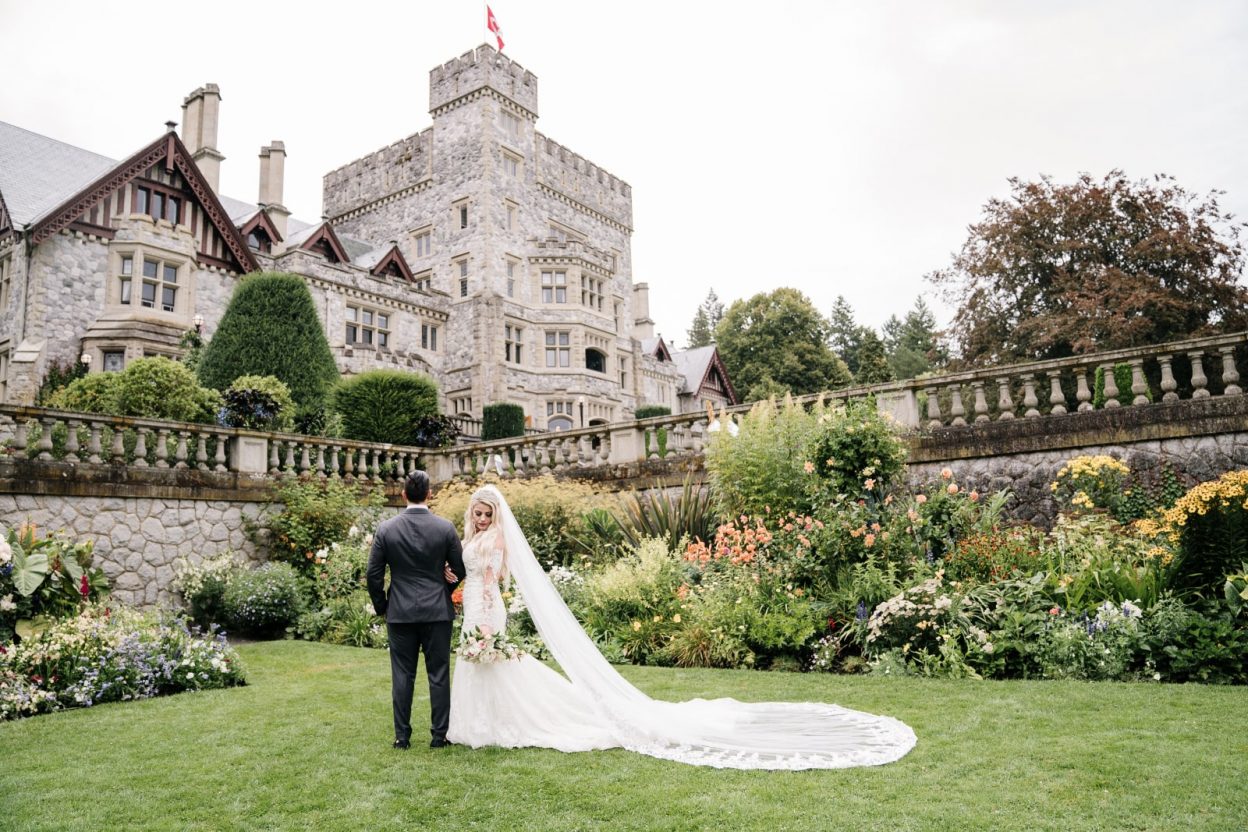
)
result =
(416, 545)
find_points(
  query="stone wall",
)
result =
(1198, 439)
(138, 540)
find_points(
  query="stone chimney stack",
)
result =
(643, 324)
(272, 183)
(200, 112)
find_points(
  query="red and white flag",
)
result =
(492, 24)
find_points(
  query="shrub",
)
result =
(855, 452)
(688, 515)
(1149, 492)
(436, 430)
(1088, 482)
(203, 586)
(107, 655)
(57, 378)
(1102, 645)
(384, 405)
(318, 513)
(159, 388)
(761, 467)
(1091, 559)
(1182, 644)
(264, 601)
(271, 328)
(501, 421)
(652, 411)
(93, 393)
(349, 620)
(339, 570)
(1211, 525)
(633, 602)
(990, 556)
(258, 402)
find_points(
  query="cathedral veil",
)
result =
(723, 733)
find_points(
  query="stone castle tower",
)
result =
(528, 242)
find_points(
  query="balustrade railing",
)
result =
(1192, 369)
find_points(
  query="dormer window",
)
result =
(259, 241)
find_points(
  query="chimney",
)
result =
(200, 112)
(643, 324)
(272, 183)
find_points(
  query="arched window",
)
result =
(559, 423)
(595, 361)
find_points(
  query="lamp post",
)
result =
(85, 360)
(580, 401)
(199, 324)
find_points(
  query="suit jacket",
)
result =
(415, 545)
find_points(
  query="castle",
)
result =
(477, 251)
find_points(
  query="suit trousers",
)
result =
(407, 640)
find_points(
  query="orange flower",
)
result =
(953, 488)
(809, 467)
(869, 541)
(457, 597)
(974, 495)
(946, 474)
(921, 499)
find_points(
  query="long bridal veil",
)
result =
(723, 733)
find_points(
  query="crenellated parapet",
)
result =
(581, 183)
(478, 70)
(388, 173)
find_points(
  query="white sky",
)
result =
(838, 147)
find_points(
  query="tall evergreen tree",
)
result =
(708, 316)
(872, 359)
(271, 328)
(913, 344)
(844, 334)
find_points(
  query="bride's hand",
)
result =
(449, 574)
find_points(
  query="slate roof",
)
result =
(693, 365)
(38, 174)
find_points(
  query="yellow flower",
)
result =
(636, 625)
(658, 618)
(676, 618)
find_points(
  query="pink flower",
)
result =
(1054, 611)
(84, 587)
(946, 474)
(953, 488)
(868, 540)
(921, 499)
(809, 467)
(869, 483)
(974, 495)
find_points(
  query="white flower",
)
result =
(368, 541)
(353, 532)
(368, 608)
(988, 648)
(190, 676)
(6, 551)
(943, 602)
(6, 604)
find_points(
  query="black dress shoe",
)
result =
(435, 743)
(402, 745)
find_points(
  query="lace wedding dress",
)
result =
(522, 702)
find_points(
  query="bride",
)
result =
(501, 696)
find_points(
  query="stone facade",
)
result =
(139, 541)
(529, 242)
(480, 207)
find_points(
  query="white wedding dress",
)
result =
(522, 702)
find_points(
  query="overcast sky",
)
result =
(837, 147)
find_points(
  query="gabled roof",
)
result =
(384, 259)
(317, 235)
(656, 347)
(169, 150)
(38, 173)
(696, 366)
(260, 220)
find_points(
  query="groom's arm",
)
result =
(376, 574)
(455, 556)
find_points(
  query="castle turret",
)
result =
(483, 68)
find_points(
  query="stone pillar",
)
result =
(901, 405)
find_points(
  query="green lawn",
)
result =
(306, 746)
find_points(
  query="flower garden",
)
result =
(806, 551)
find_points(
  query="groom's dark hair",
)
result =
(416, 487)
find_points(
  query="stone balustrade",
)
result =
(1194, 369)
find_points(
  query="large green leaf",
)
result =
(29, 570)
(69, 564)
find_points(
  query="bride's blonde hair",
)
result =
(485, 496)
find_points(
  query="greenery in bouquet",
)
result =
(482, 646)
(108, 655)
(43, 579)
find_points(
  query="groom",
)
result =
(423, 553)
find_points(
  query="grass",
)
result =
(306, 746)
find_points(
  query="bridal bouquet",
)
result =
(475, 646)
